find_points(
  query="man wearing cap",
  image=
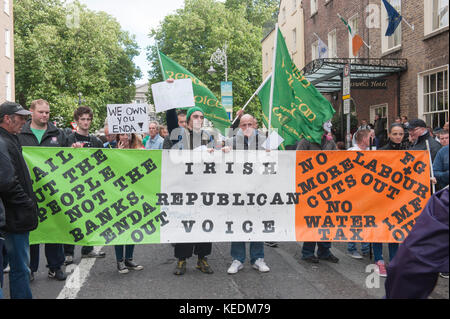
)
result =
(39, 131)
(418, 134)
(190, 138)
(20, 204)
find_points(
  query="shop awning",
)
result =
(325, 74)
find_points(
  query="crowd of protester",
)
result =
(184, 130)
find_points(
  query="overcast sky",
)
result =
(138, 17)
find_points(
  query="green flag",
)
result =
(204, 98)
(299, 110)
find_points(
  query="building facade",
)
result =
(290, 22)
(7, 89)
(418, 91)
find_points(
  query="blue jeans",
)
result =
(238, 251)
(378, 251)
(323, 249)
(129, 249)
(1, 267)
(365, 248)
(54, 254)
(18, 250)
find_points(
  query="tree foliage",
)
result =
(192, 34)
(61, 51)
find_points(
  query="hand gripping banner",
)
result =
(116, 197)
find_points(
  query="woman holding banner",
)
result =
(127, 141)
(395, 142)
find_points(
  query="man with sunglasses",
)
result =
(418, 134)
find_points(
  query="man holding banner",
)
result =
(323, 248)
(192, 137)
(81, 138)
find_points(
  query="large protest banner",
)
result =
(112, 197)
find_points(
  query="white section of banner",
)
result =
(234, 214)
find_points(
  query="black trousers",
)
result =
(70, 249)
(184, 251)
(54, 254)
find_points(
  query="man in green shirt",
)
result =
(40, 132)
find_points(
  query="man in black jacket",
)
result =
(6, 182)
(40, 132)
(19, 201)
(419, 134)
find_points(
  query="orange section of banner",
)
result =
(360, 196)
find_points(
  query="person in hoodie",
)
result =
(39, 131)
(414, 271)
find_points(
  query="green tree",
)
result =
(56, 57)
(193, 33)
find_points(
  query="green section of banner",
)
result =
(204, 98)
(299, 110)
(96, 196)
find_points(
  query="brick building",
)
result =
(6, 51)
(410, 67)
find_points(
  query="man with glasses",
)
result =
(418, 135)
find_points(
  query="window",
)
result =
(315, 50)
(313, 7)
(332, 44)
(7, 44)
(6, 6)
(353, 22)
(395, 40)
(381, 110)
(8, 94)
(433, 96)
(440, 14)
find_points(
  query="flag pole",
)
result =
(272, 83)
(433, 187)
(409, 25)
(160, 63)
(254, 94)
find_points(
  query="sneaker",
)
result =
(354, 254)
(272, 244)
(203, 266)
(94, 254)
(180, 269)
(444, 275)
(130, 264)
(260, 265)
(236, 265)
(68, 260)
(311, 259)
(58, 274)
(366, 254)
(381, 268)
(331, 258)
(6, 270)
(121, 268)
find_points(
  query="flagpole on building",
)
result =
(409, 25)
(160, 63)
(254, 94)
(272, 82)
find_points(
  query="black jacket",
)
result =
(6, 180)
(94, 142)
(52, 136)
(393, 146)
(422, 146)
(18, 199)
